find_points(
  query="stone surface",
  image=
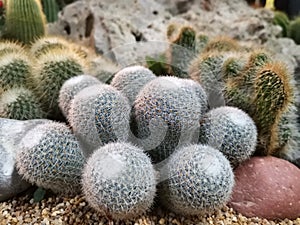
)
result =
(11, 133)
(267, 187)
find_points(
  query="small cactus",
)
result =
(20, 104)
(182, 50)
(119, 181)
(231, 131)
(195, 180)
(72, 87)
(293, 30)
(51, 71)
(131, 80)
(25, 21)
(16, 70)
(172, 103)
(51, 9)
(282, 20)
(222, 44)
(10, 47)
(99, 114)
(51, 158)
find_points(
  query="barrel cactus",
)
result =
(51, 158)
(166, 113)
(72, 87)
(231, 131)
(99, 114)
(196, 179)
(131, 80)
(119, 181)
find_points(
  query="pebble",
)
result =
(76, 211)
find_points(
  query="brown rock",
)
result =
(267, 187)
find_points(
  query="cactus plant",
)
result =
(72, 87)
(25, 21)
(231, 131)
(51, 71)
(51, 158)
(166, 113)
(293, 30)
(282, 20)
(182, 50)
(130, 81)
(119, 181)
(196, 179)
(99, 114)
(222, 44)
(51, 9)
(9, 47)
(15, 70)
(20, 104)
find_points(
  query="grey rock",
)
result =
(11, 133)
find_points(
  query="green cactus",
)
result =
(293, 30)
(51, 9)
(201, 42)
(51, 71)
(166, 113)
(119, 181)
(10, 47)
(25, 21)
(15, 69)
(222, 44)
(131, 80)
(51, 158)
(99, 114)
(195, 180)
(45, 44)
(182, 51)
(281, 19)
(273, 95)
(231, 131)
(20, 104)
(72, 87)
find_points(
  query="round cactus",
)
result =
(165, 113)
(50, 157)
(119, 181)
(222, 44)
(45, 44)
(99, 114)
(196, 179)
(130, 81)
(20, 104)
(52, 70)
(9, 47)
(231, 131)
(72, 87)
(15, 70)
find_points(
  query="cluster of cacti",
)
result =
(50, 157)
(119, 181)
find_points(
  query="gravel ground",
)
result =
(60, 211)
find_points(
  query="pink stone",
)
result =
(267, 187)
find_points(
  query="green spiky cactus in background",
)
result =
(51, 158)
(182, 49)
(15, 68)
(20, 104)
(231, 131)
(195, 180)
(125, 190)
(24, 21)
(282, 20)
(293, 30)
(51, 71)
(51, 9)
